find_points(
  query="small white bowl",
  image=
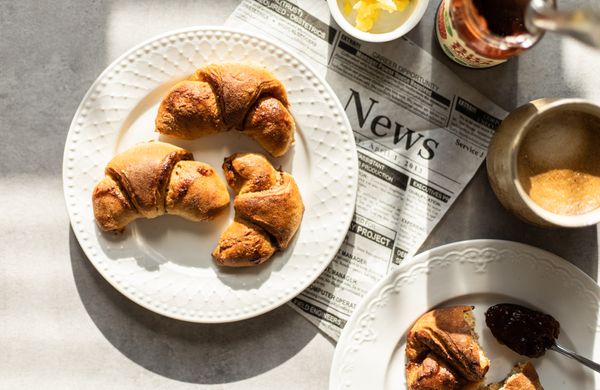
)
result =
(392, 31)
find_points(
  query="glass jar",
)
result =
(484, 33)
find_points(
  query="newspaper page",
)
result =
(421, 134)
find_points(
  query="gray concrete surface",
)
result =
(63, 327)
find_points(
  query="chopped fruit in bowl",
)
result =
(377, 20)
(367, 11)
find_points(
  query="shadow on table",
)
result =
(188, 352)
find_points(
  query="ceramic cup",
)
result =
(527, 126)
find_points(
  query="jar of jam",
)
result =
(484, 33)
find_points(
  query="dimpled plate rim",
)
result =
(341, 191)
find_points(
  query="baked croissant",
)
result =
(442, 351)
(156, 178)
(221, 97)
(432, 373)
(522, 377)
(268, 211)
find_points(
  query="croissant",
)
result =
(229, 96)
(432, 374)
(522, 377)
(156, 178)
(442, 348)
(268, 211)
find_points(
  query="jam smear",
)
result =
(525, 331)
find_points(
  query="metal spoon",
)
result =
(587, 362)
(581, 24)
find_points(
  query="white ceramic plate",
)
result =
(164, 264)
(370, 352)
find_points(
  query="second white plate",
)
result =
(370, 352)
(165, 264)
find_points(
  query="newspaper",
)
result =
(421, 134)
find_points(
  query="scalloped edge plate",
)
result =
(370, 351)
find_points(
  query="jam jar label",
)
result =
(454, 46)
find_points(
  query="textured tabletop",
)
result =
(62, 326)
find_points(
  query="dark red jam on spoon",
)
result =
(525, 331)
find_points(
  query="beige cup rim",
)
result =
(545, 106)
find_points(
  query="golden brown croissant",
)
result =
(268, 209)
(156, 178)
(221, 97)
(432, 373)
(444, 339)
(522, 377)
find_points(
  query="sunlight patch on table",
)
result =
(128, 21)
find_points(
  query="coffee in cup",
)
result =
(559, 162)
(544, 162)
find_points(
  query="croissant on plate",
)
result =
(268, 211)
(522, 377)
(156, 178)
(432, 373)
(442, 351)
(222, 97)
